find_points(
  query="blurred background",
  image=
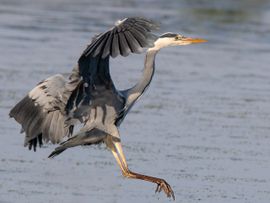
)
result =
(203, 125)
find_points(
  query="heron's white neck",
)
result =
(160, 43)
(149, 64)
(148, 72)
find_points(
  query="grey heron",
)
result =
(50, 110)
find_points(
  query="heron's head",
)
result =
(171, 39)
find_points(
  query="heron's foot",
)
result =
(163, 185)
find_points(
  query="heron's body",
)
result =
(50, 111)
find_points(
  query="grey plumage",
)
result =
(94, 136)
(50, 111)
(88, 95)
(42, 112)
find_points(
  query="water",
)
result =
(203, 125)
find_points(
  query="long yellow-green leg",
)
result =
(117, 151)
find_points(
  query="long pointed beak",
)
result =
(194, 40)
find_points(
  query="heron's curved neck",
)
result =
(149, 66)
(148, 72)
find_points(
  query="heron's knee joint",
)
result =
(127, 173)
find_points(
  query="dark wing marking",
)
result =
(128, 36)
(42, 112)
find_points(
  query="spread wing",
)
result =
(41, 113)
(129, 35)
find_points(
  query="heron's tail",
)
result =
(57, 151)
(71, 142)
(93, 136)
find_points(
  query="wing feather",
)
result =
(101, 45)
(133, 43)
(107, 47)
(140, 37)
(42, 111)
(118, 40)
(124, 47)
(115, 46)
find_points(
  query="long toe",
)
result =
(163, 185)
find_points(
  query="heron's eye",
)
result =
(178, 37)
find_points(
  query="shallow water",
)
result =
(203, 125)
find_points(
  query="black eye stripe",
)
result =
(168, 35)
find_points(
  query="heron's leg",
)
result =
(117, 151)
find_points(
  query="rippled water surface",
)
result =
(203, 125)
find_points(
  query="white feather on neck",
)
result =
(161, 43)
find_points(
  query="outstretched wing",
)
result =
(41, 113)
(128, 35)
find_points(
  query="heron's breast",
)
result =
(104, 114)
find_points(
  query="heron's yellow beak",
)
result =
(193, 40)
